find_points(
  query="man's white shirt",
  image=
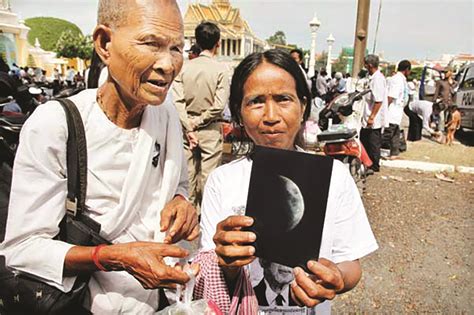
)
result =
(398, 91)
(378, 88)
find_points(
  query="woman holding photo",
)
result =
(271, 101)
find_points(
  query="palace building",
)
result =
(13, 36)
(237, 38)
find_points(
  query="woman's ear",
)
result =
(304, 103)
(102, 36)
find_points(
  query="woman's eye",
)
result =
(254, 101)
(283, 98)
(176, 49)
(151, 44)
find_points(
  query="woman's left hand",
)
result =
(323, 284)
(180, 220)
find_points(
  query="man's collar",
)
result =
(206, 53)
(272, 295)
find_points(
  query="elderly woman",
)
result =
(137, 174)
(270, 100)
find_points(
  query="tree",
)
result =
(48, 30)
(341, 64)
(321, 61)
(70, 45)
(278, 38)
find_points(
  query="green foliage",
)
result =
(321, 61)
(70, 45)
(48, 30)
(341, 64)
(415, 73)
(278, 38)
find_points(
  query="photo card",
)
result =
(287, 198)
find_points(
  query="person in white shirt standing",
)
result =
(374, 116)
(297, 55)
(397, 99)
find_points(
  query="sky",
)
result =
(409, 29)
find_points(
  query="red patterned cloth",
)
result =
(211, 285)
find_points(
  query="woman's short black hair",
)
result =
(277, 57)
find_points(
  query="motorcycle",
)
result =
(340, 124)
(10, 127)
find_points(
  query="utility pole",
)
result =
(361, 32)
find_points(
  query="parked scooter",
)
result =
(341, 125)
(10, 127)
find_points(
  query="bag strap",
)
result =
(76, 159)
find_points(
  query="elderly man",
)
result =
(374, 115)
(137, 173)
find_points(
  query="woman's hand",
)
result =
(144, 261)
(179, 218)
(326, 281)
(232, 244)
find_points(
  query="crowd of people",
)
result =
(155, 183)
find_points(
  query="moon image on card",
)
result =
(294, 202)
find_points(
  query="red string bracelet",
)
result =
(95, 257)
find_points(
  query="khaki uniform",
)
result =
(200, 93)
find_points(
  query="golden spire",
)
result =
(221, 3)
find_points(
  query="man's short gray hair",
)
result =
(112, 12)
(372, 60)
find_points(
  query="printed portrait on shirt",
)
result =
(273, 289)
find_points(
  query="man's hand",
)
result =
(192, 139)
(370, 121)
(232, 244)
(323, 284)
(179, 218)
(144, 261)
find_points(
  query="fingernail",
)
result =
(252, 250)
(293, 284)
(252, 237)
(249, 221)
(311, 263)
(297, 271)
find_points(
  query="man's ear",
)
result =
(102, 36)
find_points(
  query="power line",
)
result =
(377, 28)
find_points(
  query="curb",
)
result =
(427, 167)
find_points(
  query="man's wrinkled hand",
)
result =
(180, 220)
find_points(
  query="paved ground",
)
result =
(424, 227)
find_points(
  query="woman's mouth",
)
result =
(158, 85)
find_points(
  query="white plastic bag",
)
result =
(185, 304)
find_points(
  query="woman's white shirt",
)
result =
(346, 234)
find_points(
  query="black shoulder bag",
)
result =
(24, 294)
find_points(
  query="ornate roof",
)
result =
(221, 12)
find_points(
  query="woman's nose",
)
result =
(271, 115)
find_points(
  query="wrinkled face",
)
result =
(271, 111)
(146, 52)
(296, 57)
